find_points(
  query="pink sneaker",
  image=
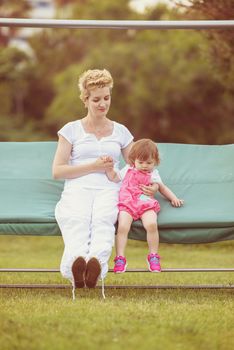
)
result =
(154, 262)
(120, 264)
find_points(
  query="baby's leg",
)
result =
(149, 221)
(124, 224)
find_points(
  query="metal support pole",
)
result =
(165, 286)
(129, 270)
(120, 24)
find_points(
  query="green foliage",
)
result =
(66, 106)
(103, 9)
(23, 94)
(172, 86)
(222, 41)
(14, 9)
(13, 80)
(166, 84)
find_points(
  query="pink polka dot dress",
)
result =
(131, 197)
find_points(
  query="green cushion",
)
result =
(202, 175)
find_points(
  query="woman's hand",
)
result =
(150, 190)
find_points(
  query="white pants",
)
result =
(86, 218)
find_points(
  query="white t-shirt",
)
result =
(87, 148)
(155, 177)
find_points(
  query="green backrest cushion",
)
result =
(202, 175)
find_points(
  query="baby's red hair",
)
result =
(144, 149)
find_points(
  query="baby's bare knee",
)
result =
(122, 229)
(151, 227)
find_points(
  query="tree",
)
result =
(13, 67)
(168, 85)
(20, 104)
(220, 54)
(14, 9)
(222, 40)
(55, 49)
(164, 89)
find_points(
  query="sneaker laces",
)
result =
(119, 260)
(154, 258)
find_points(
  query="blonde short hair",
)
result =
(144, 149)
(93, 78)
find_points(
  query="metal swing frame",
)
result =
(119, 24)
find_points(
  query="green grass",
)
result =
(175, 319)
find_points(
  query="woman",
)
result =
(87, 210)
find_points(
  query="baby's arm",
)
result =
(112, 175)
(166, 192)
(110, 172)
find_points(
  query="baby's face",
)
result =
(145, 165)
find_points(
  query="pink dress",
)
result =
(131, 197)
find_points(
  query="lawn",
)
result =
(177, 319)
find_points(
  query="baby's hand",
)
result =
(109, 169)
(104, 163)
(176, 202)
(108, 162)
(149, 190)
(106, 159)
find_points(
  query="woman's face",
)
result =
(98, 102)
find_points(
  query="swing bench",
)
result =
(202, 175)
